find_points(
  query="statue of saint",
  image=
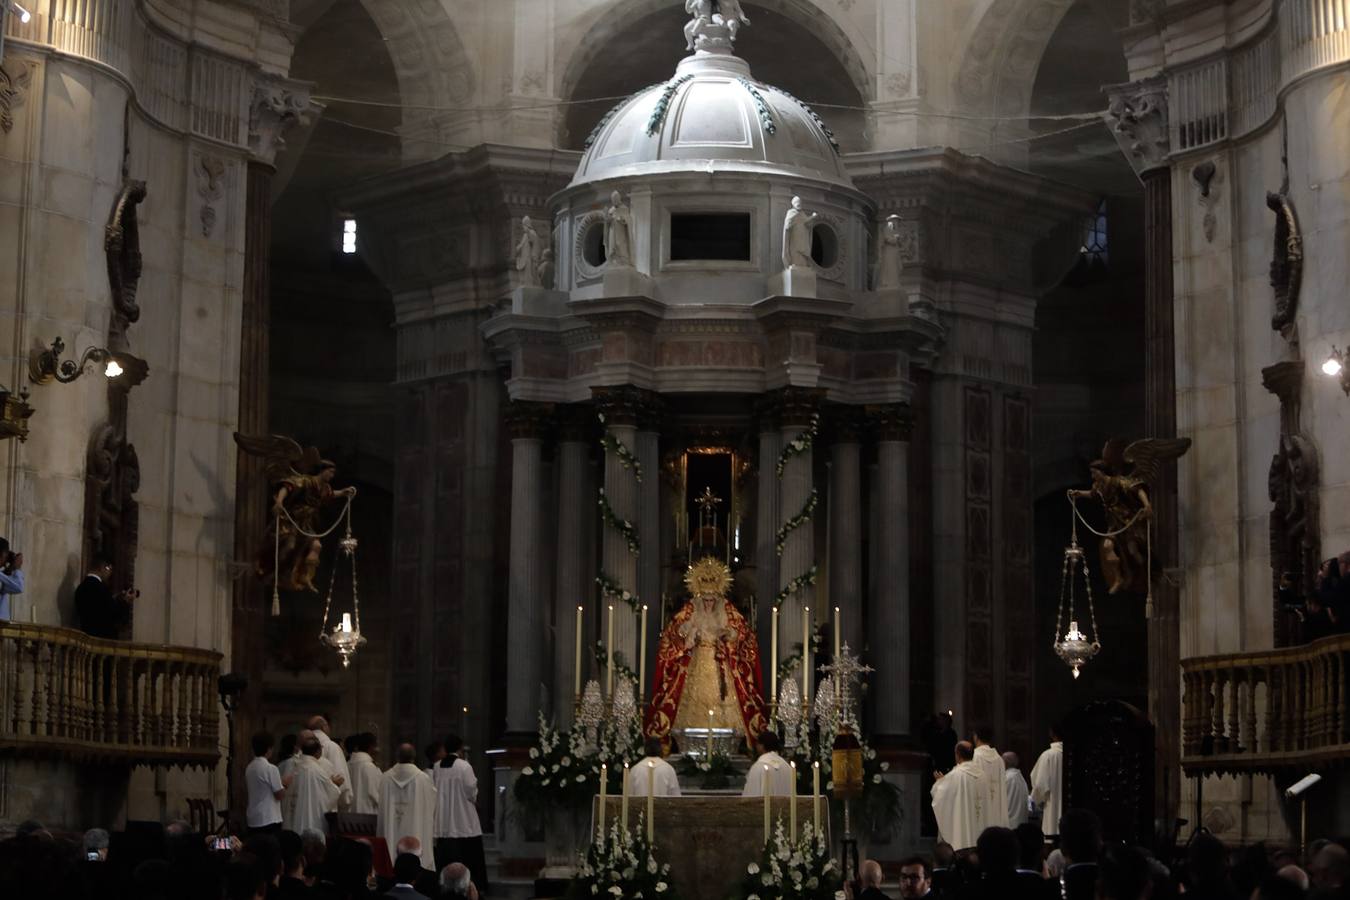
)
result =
(1124, 496)
(529, 253)
(708, 659)
(302, 486)
(618, 232)
(797, 235)
(889, 265)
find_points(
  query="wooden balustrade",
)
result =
(1266, 711)
(64, 694)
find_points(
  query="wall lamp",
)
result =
(24, 15)
(45, 363)
(1335, 366)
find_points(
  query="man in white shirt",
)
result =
(336, 759)
(459, 836)
(1017, 790)
(11, 578)
(408, 805)
(769, 774)
(958, 799)
(1047, 786)
(654, 770)
(265, 786)
(994, 802)
(316, 789)
(367, 779)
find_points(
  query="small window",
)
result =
(824, 246)
(348, 236)
(1095, 250)
(710, 236)
(593, 244)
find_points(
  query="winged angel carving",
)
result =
(301, 485)
(1122, 480)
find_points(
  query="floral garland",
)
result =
(623, 526)
(627, 458)
(622, 867)
(604, 120)
(611, 590)
(620, 669)
(820, 123)
(798, 445)
(797, 521)
(762, 108)
(663, 104)
(805, 579)
(793, 870)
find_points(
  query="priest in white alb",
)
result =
(1047, 785)
(655, 771)
(367, 778)
(408, 805)
(336, 759)
(316, 790)
(993, 781)
(770, 774)
(957, 800)
(1017, 790)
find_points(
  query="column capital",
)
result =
(527, 419)
(628, 405)
(576, 422)
(1138, 117)
(791, 407)
(277, 105)
(846, 422)
(891, 421)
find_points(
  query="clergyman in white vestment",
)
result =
(1017, 790)
(408, 805)
(1047, 785)
(957, 800)
(459, 835)
(366, 776)
(664, 781)
(316, 792)
(994, 805)
(770, 774)
(336, 759)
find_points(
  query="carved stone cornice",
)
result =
(891, 421)
(1138, 118)
(277, 105)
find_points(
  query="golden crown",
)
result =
(708, 576)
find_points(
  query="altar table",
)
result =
(709, 839)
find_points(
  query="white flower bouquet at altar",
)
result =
(560, 773)
(622, 867)
(793, 870)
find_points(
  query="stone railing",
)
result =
(66, 695)
(1266, 711)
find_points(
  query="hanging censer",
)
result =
(345, 636)
(1075, 648)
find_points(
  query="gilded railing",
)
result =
(1268, 710)
(66, 695)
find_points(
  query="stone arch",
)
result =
(598, 27)
(1000, 59)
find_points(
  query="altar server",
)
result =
(367, 778)
(993, 784)
(316, 789)
(664, 780)
(957, 800)
(1047, 786)
(408, 805)
(777, 780)
(459, 836)
(1017, 790)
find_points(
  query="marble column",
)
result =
(649, 527)
(766, 523)
(794, 489)
(528, 570)
(888, 626)
(575, 568)
(846, 510)
(620, 406)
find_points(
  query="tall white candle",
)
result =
(642, 656)
(806, 657)
(623, 815)
(604, 794)
(773, 659)
(836, 633)
(815, 798)
(765, 786)
(609, 655)
(346, 623)
(576, 676)
(651, 801)
(710, 728)
(792, 805)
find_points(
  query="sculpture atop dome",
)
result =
(714, 25)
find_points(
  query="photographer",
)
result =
(11, 578)
(102, 613)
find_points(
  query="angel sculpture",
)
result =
(302, 485)
(1121, 480)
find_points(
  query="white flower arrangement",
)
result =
(793, 870)
(624, 865)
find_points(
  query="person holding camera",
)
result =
(11, 578)
(102, 613)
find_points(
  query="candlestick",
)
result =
(609, 656)
(773, 659)
(651, 801)
(576, 668)
(710, 727)
(642, 656)
(792, 805)
(623, 815)
(464, 721)
(815, 798)
(836, 633)
(604, 793)
(346, 623)
(765, 786)
(806, 657)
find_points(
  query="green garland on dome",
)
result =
(797, 521)
(663, 104)
(613, 111)
(761, 107)
(820, 123)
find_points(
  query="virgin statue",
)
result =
(708, 659)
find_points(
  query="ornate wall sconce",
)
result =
(1335, 367)
(46, 365)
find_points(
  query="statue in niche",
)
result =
(529, 254)
(889, 264)
(1286, 265)
(618, 232)
(797, 226)
(1121, 481)
(302, 487)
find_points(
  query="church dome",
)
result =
(712, 115)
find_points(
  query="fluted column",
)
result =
(766, 523)
(620, 406)
(575, 584)
(528, 569)
(889, 611)
(846, 509)
(794, 489)
(649, 527)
